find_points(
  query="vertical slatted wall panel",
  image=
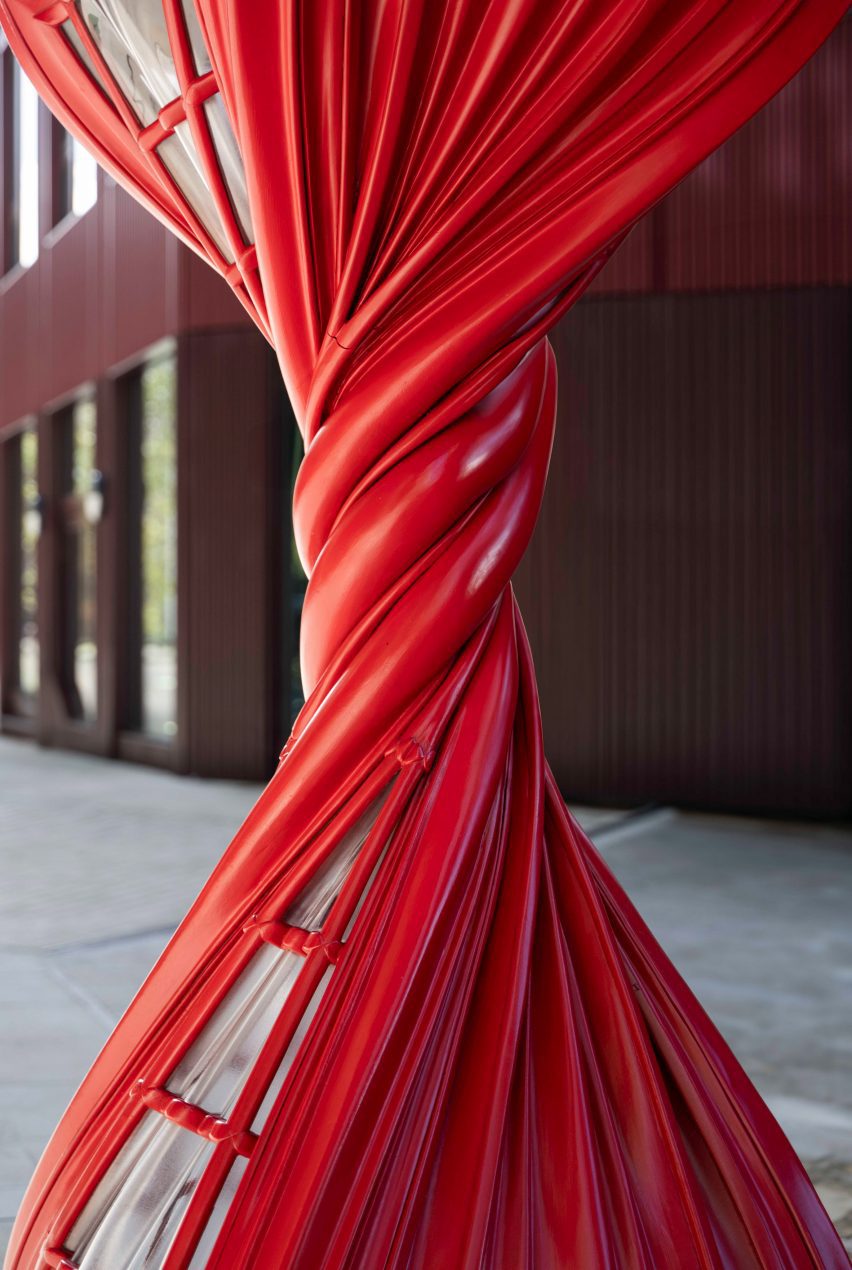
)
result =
(770, 208)
(689, 590)
(228, 575)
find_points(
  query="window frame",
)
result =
(8, 113)
(19, 710)
(68, 514)
(11, 77)
(131, 742)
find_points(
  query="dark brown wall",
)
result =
(770, 208)
(688, 591)
(232, 576)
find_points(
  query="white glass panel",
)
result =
(292, 1050)
(225, 1198)
(230, 163)
(133, 40)
(72, 35)
(84, 179)
(81, 579)
(199, 49)
(134, 1213)
(314, 903)
(182, 160)
(214, 1068)
(157, 387)
(134, 43)
(28, 643)
(26, 169)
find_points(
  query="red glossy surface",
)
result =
(505, 1070)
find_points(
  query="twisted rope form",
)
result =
(504, 1070)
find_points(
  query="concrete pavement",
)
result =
(99, 861)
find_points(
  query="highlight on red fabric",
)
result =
(411, 1020)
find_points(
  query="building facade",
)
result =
(148, 591)
(688, 591)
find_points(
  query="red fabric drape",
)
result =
(504, 1071)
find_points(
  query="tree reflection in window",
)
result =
(81, 575)
(28, 648)
(157, 467)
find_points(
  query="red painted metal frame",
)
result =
(505, 1070)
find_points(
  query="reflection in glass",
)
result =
(313, 905)
(81, 572)
(28, 650)
(215, 1067)
(133, 41)
(155, 1174)
(158, 547)
(230, 161)
(277, 1083)
(224, 1199)
(183, 163)
(196, 38)
(74, 38)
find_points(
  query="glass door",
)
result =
(80, 512)
(28, 657)
(22, 530)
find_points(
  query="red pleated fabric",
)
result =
(504, 1070)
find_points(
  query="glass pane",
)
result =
(277, 1082)
(196, 40)
(225, 1198)
(84, 179)
(25, 238)
(214, 1068)
(64, 175)
(76, 177)
(82, 565)
(230, 162)
(72, 35)
(134, 43)
(183, 163)
(133, 39)
(314, 903)
(158, 548)
(136, 1209)
(221, 132)
(28, 650)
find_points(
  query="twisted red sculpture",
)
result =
(412, 1020)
